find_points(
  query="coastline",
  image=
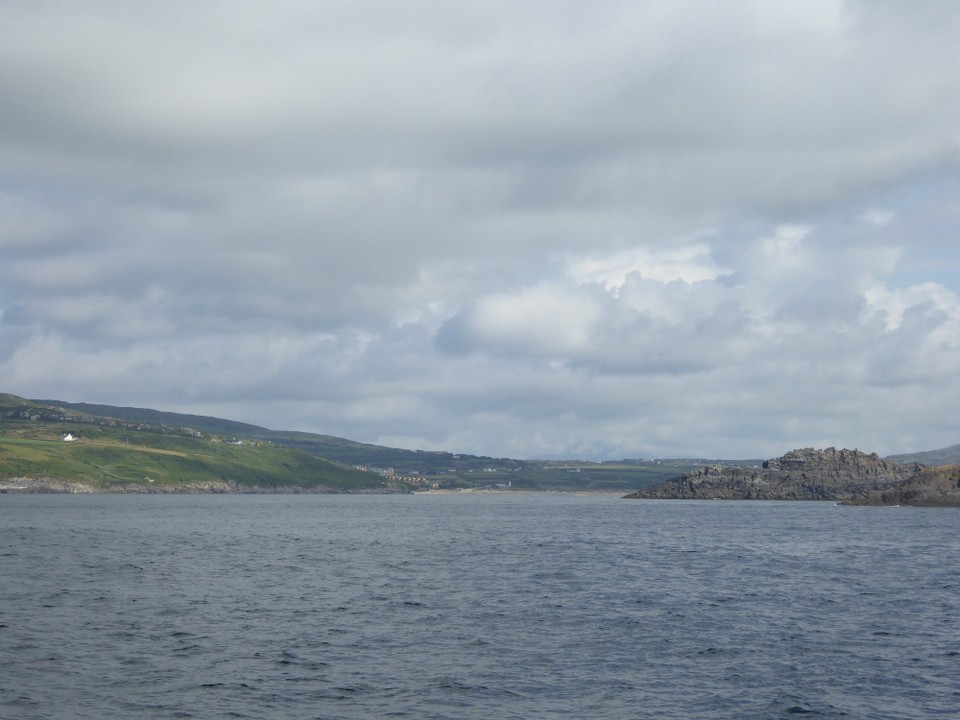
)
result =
(54, 486)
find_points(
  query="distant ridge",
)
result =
(202, 423)
(944, 456)
(416, 468)
(47, 447)
(330, 447)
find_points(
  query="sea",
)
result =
(475, 605)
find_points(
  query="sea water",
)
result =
(475, 605)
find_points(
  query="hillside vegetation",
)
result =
(417, 468)
(112, 454)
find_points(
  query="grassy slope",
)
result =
(212, 425)
(103, 462)
(108, 455)
(451, 470)
(340, 450)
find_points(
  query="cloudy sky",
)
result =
(540, 229)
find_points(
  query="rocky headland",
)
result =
(805, 474)
(928, 487)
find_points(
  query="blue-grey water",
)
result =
(475, 606)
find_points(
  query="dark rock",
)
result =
(804, 474)
(928, 487)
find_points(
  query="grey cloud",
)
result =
(312, 98)
(357, 217)
(919, 352)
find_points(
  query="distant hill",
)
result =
(805, 474)
(423, 467)
(202, 423)
(50, 448)
(327, 446)
(944, 456)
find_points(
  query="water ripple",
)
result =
(442, 607)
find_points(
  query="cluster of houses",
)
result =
(389, 472)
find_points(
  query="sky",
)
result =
(600, 230)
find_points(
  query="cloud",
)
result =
(546, 321)
(608, 229)
(688, 263)
(877, 217)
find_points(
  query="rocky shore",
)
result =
(53, 485)
(805, 474)
(43, 485)
(928, 487)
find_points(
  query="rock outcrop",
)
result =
(39, 485)
(805, 474)
(928, 487)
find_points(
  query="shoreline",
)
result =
(521, 491)
(53, 486)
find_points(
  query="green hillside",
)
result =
(420, 467)
(212, 425)
(109, 453)
(943, 456)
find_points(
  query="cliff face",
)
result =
(928, 487)
(805, 474)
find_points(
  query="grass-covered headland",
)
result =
(116, 455)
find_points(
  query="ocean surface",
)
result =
(467, 606)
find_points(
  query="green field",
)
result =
(108, 454)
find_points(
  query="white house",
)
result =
(68, 438)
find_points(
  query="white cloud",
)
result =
(892, 304)
(544, 320)
(877, 217)
(784, 247)
(688, 263)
